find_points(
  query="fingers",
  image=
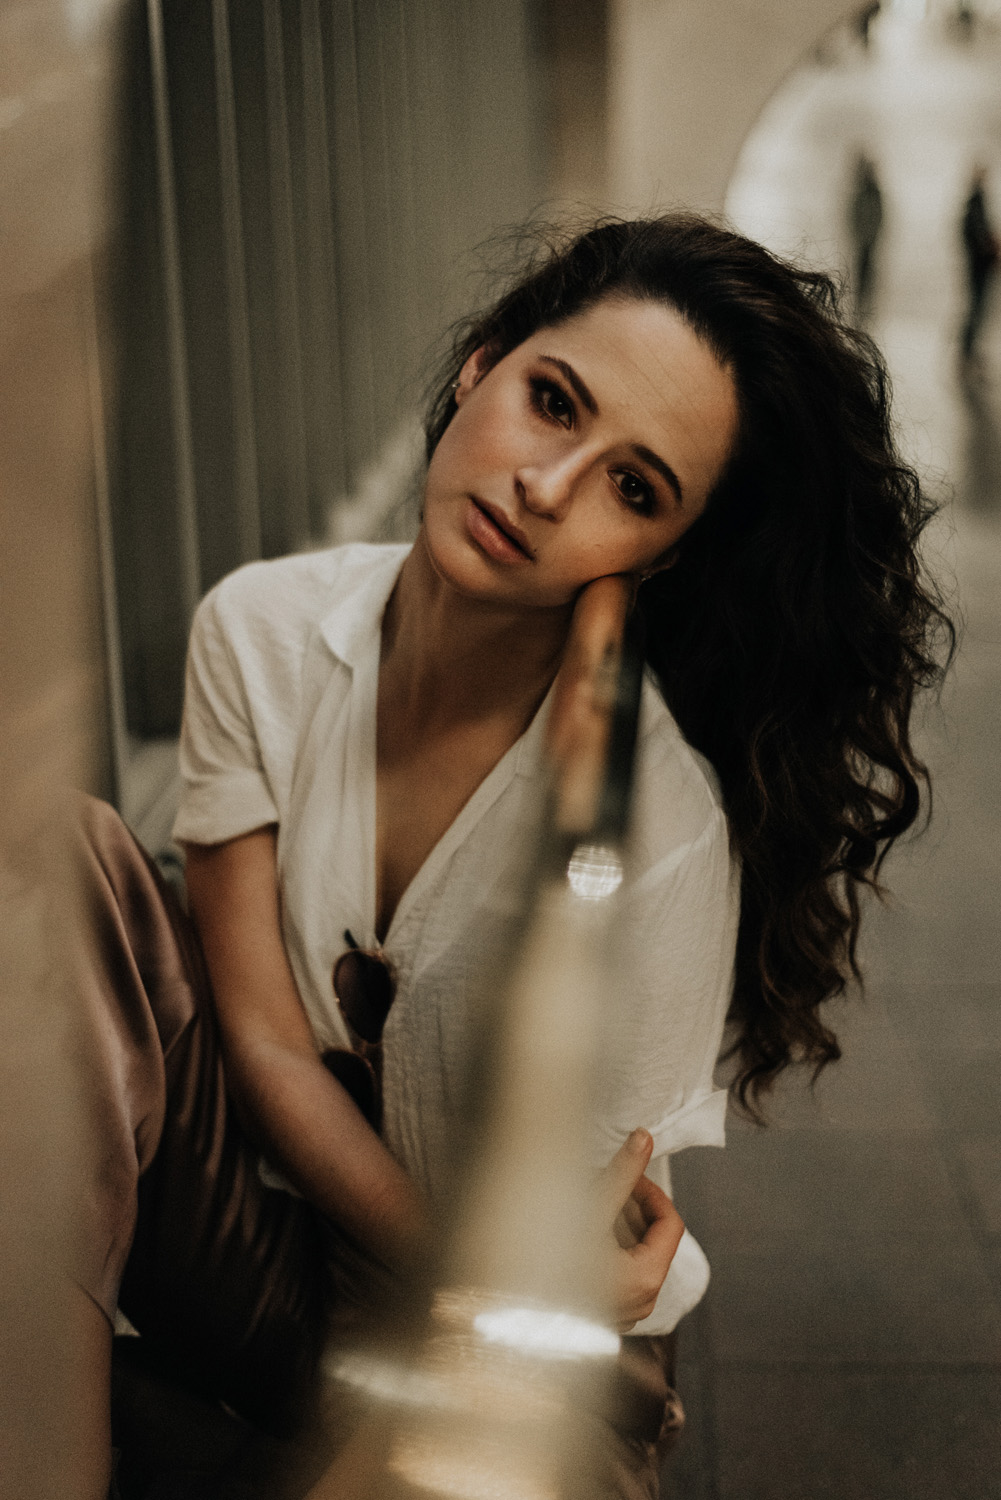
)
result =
(625, 1170)
(659, 1244)
(647, 1229)
(630, 1224)
(641, 1270)
(651, 1201)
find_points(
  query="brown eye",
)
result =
(552, 402)
(635, 491)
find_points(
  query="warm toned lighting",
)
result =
(476, 1474)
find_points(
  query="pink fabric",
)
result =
(235, 1282)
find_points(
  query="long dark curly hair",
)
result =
(792, 635)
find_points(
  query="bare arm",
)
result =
(305, 1121)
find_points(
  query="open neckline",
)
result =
(473, 809)
(355, 637)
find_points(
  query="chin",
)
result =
(457, 563)
(461, 567)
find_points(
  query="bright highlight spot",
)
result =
(554, 1335)
(397, 1384)
(594, 872)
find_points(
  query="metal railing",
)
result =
(496, 1388)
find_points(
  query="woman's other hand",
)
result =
(647, 1229)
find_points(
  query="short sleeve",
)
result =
(226, 791)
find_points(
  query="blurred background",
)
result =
(230, 237)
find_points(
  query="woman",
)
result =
(660, 399)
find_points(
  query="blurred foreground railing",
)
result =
(497, 1389)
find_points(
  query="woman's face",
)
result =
(588, 450)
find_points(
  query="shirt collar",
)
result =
(363, 585)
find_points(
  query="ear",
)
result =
(477, 365)
(662, 563)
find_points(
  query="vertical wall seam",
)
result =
(177, 352)
(283, 254)
(238, 321)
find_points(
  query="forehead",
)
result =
(652, 376)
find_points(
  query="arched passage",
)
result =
(687, 80)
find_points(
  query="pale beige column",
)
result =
(57, 73)
(687, 79)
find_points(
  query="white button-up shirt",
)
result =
(280, 727)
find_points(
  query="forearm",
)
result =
(298, 1113)
(310, 1128)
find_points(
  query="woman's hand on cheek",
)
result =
(647, 1229)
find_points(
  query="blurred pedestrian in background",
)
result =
(980, 248)
(963, 22)
(863, 23)
(865, 219)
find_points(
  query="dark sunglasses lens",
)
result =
(355, 1075)
(365, 989)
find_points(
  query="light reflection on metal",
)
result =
(485, 1408)
(392, 1382)
(594, 872)
(472, 1357)
(546, 1333)
(500, 1397)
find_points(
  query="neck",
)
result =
(446, 656)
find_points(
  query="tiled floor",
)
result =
(850, 1343)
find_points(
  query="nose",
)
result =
(546, 486)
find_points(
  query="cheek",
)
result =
(484, 429)
(593, 552)
(453, 463)
(609, 543)
(444, 456)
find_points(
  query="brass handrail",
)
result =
(498, 1395)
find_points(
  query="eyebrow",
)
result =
(646, 455)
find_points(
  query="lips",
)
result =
(497, 534)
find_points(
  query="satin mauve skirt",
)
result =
(237, 1287)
